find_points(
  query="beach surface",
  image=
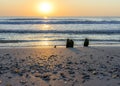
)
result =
(83, 66)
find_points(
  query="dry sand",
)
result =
(92, 66)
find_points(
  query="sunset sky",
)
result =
(60, 8)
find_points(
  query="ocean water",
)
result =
(50, 31)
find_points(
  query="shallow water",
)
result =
(38, 31)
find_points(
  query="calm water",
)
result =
(36, 31)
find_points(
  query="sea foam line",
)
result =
(59, 22)
(63, 32)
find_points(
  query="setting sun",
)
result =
(45, 7)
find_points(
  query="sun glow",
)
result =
(45, 8)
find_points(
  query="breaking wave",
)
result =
(56, 21)
(62, 32)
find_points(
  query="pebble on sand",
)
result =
(94, 72)
(114, 76)
(23, 81)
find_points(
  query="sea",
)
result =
(51, 31)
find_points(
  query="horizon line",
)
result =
(60, 16)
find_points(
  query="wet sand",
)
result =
(92, 66)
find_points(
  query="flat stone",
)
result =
(86, 77)
(114, 76)
(54, 78)
(9, 77)
(46, 77)
(94, 72)
(90, 69)
(69, 62)
(55, 72)
(32, 71)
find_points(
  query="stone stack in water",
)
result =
(86, 42)
(69, 43)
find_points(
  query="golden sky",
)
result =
(60, 8)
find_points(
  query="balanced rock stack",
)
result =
(86, 42)
(70, 43)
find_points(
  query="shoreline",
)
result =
(63, 46)
(57, 46)
(86, 66)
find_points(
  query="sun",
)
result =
(45, 8)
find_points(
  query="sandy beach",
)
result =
(90, 66)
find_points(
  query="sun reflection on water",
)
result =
(45, 27)
(45, 43)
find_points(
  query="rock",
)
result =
(76, 63)
(111, 57)
(65, 82)
(94, 72)
(62, 75)
(69, 43)
(69, 62)
(90, 69)
(27, 75)
(55, 72)
(107, 79)
(1, 72)
(55, 46)
(86, 42)
(54, 78)
(103, 66)
(114, 76)
(9, 77)
(71, 72)
(32, 71)
(23, 82)
(16, 70)
(23, 60)
(20, 73)
(103, 74)
(86, 77)
(45, 77)
(50, 85)
(33, 84)
(59, 66)
(108, 62)
(37, 75)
